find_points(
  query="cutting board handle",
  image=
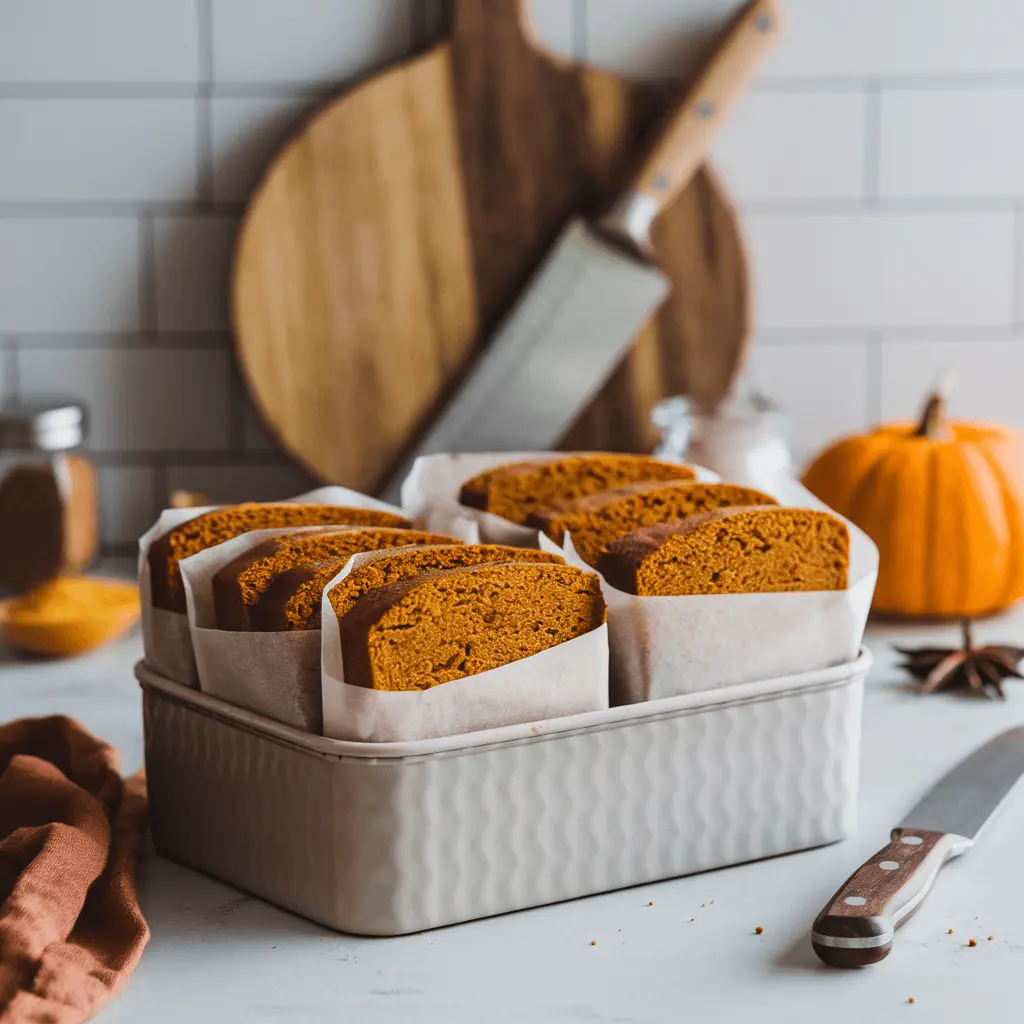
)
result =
(504, 20)
(686, 136)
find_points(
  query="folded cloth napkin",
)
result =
(71, 829)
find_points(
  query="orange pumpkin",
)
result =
(944, 502)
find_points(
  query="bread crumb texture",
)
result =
(403, 564)
(516, 489)
(759, 930)
(598, 519)
(278, 584)
(223, 524)
(430, 629)
(732, 551)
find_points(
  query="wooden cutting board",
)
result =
(391, 234)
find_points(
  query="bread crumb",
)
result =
(703, 905)
(758, 930)
(975, 917)
(712, 901)
(990, 938)
(651, 904)
(910, 999)
(950, 932)
(972, 942)
(693, 919)
(593, 942)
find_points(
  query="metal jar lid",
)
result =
(41, 426)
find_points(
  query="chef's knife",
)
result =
(598, 285)
(857, 926)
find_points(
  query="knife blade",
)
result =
(598, 285)
(857, 926)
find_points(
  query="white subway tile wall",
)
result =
(876, 162)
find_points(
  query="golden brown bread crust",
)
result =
(516, 489)
(598, 519)
(745, 550)
(435, 627)
(204, 531)
(402, 563)
(278, 584)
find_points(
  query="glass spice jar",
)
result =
(48, 507)
(743, 440)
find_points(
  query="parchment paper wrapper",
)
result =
(166, 642)
(275, 674)
(666, 646)
(430, 494)
(564, 680)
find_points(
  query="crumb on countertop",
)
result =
(910, 999)
(990, 938)
(693, 919)
(972, 942)
(950, 932)
(651, 904)
(759, 930)
(593, 942)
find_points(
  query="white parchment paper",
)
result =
(166, 641)
(430, 494)
(564, 680)
(276, 674)
(666, 646)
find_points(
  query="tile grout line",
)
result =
(147, 275)
(872, 144)
(1017, 278)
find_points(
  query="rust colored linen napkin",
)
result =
(71, 829)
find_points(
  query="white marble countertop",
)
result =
(218, 955)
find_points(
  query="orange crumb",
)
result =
(950, 932)
(758, 930)
(651, 904)
(972, 942)
(593, 942)
(910, 999)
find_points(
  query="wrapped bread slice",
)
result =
(278, 585)
(753, 550)
(515, 490)
(216, 526)
(464, 649)
(598, 519)
(402, 563)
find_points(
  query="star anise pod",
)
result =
(977, 668)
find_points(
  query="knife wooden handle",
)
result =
(856, 928)
(687, 135)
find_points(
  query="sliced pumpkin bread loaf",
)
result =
(515, 490)
(435, 627)
(598, 519)
(752, 550)
(402, 563)
(210, 528)
(278, 584)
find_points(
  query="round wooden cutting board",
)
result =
(391, 234)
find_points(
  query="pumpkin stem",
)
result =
(933, 420)
(968, 634)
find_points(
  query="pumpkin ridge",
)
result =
(1011, 514)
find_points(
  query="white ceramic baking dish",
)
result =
(390, 838)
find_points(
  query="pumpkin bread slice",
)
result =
(278, 584)
(210, 528)
(402, 563)
(430, 629)
(515, 490)
(756, 550)
(598, 519)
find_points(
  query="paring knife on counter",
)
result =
(598, 285)
(857, 926)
